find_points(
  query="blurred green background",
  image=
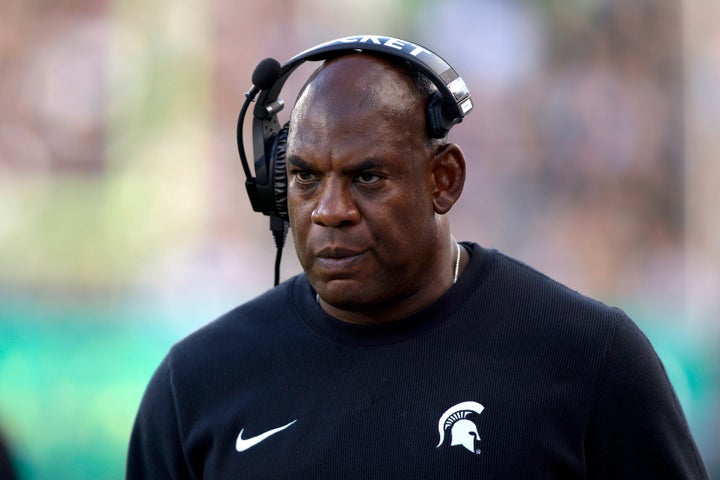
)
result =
(124, 225)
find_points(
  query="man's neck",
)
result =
(397, 310)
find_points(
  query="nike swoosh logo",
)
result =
(242, 444)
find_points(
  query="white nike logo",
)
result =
(242, 444)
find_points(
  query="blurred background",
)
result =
(124, 224)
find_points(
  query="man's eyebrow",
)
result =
(364, 166)
(368, 164)
(298, 162)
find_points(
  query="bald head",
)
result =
(347, 87)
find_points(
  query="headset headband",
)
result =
(448, 82)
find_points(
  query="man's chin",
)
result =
(344, 295)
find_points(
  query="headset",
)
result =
(267, 190)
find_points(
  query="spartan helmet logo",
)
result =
(462, 431)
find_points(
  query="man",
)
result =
(400, 353)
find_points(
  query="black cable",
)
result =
(279, 228)
(249, 98)
(278, 258)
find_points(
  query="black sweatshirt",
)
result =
(508, 375)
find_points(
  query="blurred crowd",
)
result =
(581, 159)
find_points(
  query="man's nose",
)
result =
(335, 206)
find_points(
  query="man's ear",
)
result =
(448, 170)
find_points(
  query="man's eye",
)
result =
(367, 178)
(304, 176)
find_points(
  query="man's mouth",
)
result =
(339, 259)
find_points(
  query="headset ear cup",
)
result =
(437, 125)
(279, 173)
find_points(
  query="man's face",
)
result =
(360, 186)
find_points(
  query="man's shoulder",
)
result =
(533, 300)
(533, 284)
(260, 317)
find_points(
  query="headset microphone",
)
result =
(267, 190)
(266, 73)
(264, 76)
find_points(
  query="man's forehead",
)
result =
(354, 86)
(360, 73)
(355, 97)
